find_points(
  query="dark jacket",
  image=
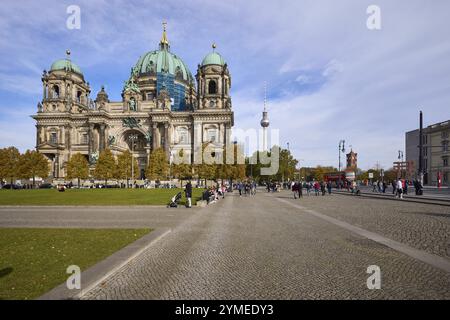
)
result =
(188, 190)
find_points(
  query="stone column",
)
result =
(223, 86)
(155, 136)
(219, 85)
(91, 138)
(147, 149)
(38, 135)
(225, 134)
(166, 139)
(56, 166)
(102, 137)
(67, 136)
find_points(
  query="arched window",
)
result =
(178, 73)
(211, 134)
(183, 135)
(212, 87)
(79, 93)
(55, 92)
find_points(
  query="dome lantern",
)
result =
(66, 65)
(213, 58)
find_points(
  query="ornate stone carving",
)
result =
(93, 157)
(130, 123)
(111, 140)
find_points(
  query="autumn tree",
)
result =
(234, 164)
(9, 164)
(105, 167)
(320, 171)
(33, 164)
(77, 167)
(158, 166)
(207, 169)
(182, 168)
(238, 166)
(125, 167)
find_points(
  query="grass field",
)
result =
(92, 197)
(33, 261)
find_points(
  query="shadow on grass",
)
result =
(4, 272)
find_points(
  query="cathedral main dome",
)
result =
(163, 61)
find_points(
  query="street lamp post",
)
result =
(421, 168)
(341, 149)
(133, 138)
(300, 176)
(400, 157)
(170, 167)
(286, 169)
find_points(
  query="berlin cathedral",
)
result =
(161, 106)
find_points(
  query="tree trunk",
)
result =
(34, 182)
(79, 182)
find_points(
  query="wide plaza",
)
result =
(269, 246)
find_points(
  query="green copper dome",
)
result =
(213, 58)
(162, 61)
(65, 64)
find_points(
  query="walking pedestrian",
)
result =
(316, 188)
(322, 188)
(329, 187)
(188, 194)
(300, 190)
(399, 188)
(308, 188)
(295, 189)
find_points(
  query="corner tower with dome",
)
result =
(161, 104)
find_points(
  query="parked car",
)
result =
(46, 186)
(12, 186)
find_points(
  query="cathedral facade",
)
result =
(162, 106)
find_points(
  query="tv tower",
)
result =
(265, 120)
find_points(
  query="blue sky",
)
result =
(329, 77)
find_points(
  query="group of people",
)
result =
(246, 188)
(400, 187)
(319, 188)
(214, 193)
(272, 186)
(379, 186)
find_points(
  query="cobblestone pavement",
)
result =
(262, 248)
(422, 226)
(93, 217)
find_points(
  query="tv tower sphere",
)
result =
(265, 120)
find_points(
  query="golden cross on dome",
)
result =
(164, 41)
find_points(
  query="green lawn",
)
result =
(33, 261)
(92, 197)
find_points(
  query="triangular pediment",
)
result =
(48, 146)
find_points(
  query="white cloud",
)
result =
(368, 86)
(303, 79)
